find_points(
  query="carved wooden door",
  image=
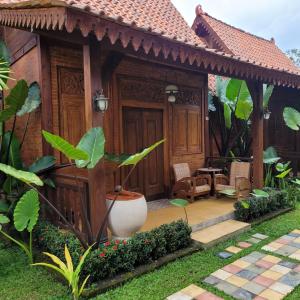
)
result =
(142, 128)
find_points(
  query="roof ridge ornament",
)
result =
(199, 11)
(272, 40)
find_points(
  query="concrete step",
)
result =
(213, 221)
(217, 233)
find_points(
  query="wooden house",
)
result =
(235, 41)
(133, 50)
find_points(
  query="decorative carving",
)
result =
(72, 82)
(149, 90)
(189, 96)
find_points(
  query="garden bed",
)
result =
(107, 284)
(271, 215)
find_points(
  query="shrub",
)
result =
(255, 207)
(116, 257)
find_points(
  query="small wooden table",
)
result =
(212, 172)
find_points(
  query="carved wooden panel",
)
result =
(180, 130)
(187, 130)
(142, 90)
(194, 131)
(68, 196)
(71, 105)
(189, 96)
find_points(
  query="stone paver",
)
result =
(288, 245)
(224, 254)
(256, 276)
(193, 292)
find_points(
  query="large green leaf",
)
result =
(221, 87)
(116, 158)
(237, 90)
(65, 147)
(4, 52)
(136, 158)
(281, 167)
(244, 109)
(284, 174)
(14, 154)
(93, 144)
(260, 193)
(270, 156)
(268, 91)
(24, 176)
(3, 220)
(179, 202)
(42, 163)
(4, 207)
(292, 118)
(33, 100)
(227, 115)
(26, 213)
(15, 100)
(228, 192)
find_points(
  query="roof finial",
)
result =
(199, 10)
(272, 40)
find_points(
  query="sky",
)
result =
(266, 18)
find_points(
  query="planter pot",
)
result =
(128, 214)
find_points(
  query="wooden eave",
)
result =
(210, 60)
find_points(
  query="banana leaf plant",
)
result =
(231, 110)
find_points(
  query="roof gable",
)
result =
(235, 41)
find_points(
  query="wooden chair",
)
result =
(188, 185)
(239, 180)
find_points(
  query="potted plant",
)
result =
(127, 211)
(128, 215)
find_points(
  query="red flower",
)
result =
(107, 244)
(117, 242)
(115, 248)
(102, 254)
(124, 242)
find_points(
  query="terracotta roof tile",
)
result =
(245, 45)
(159, 16)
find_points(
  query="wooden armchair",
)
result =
(188, 186)
(239, 180)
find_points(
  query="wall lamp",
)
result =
(100, 101)
(171, 90)
(267, 114)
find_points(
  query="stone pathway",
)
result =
(193, 292)
(287, 245)
(256, 276)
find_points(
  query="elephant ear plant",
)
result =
(88, 152)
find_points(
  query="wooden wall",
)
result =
(141, 84)
(277, 134)
(24, 53)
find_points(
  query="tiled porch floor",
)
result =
(200, 211)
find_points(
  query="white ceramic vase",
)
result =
(128, 214)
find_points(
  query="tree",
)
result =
(294, 56)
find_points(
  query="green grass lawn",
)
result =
(18, 281)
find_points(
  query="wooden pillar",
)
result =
(256, 90)
(96, 176)
(207, 138)
(44, 61)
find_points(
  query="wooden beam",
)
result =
(96, 176)
(46, 88)
(256, 90)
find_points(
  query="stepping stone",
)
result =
(260, 236)
(193, 292)
(233, 249)
(256, 276)
(253, 240)
(244, 245)
(212, 235)
(287, 245)
(224, 255)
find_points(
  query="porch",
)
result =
(202, 213)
